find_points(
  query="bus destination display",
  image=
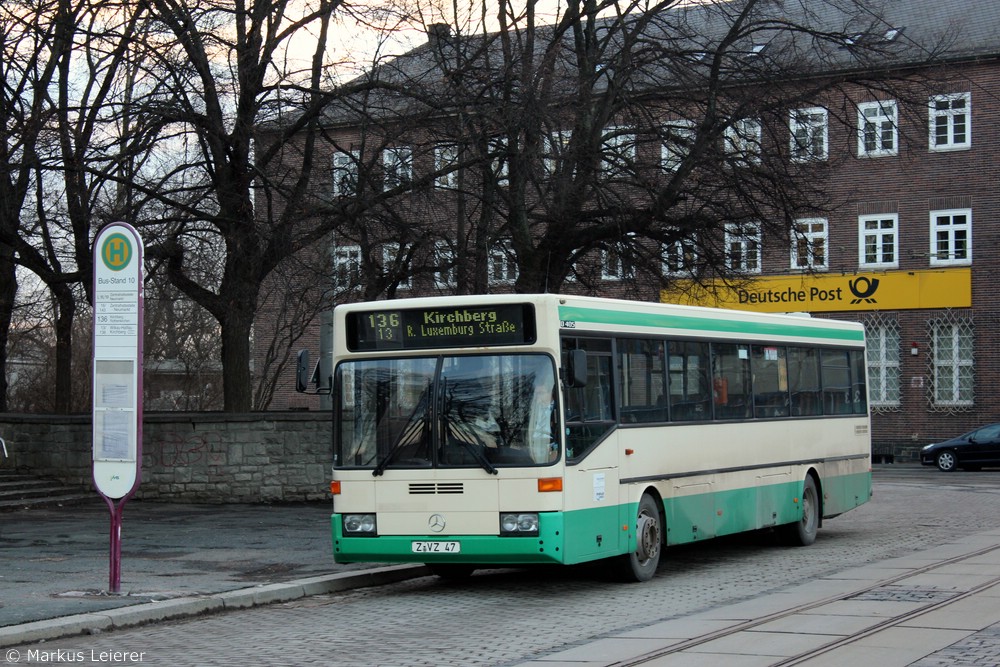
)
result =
(425, 328)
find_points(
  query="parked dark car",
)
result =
(970, 451)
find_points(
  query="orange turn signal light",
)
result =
(335, 488)
(548, 484)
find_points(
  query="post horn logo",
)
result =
(863, 288)
(116, 251)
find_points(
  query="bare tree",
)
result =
(62, 61)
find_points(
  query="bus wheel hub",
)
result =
(647, 537)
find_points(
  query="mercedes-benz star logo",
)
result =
(436, 523)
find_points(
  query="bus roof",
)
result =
(579, 314)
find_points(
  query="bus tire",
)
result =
(802, 533)
(451, 571)
(641, 564)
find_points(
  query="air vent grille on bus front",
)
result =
(432, 488)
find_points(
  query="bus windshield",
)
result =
(487, 411)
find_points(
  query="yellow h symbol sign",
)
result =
(117, 252)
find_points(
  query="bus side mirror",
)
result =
(576, 375)
(302, 372)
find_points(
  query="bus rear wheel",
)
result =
(802, 533)
(641, 564)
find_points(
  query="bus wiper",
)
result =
(413, 432)
(412, 429)
(464, 436)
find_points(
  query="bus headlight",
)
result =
(519, 524)
(359, 525)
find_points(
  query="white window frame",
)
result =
(444, 258)
(953, 364)
(389, 253)
(345, 173)
(743, 140)
(618, 151)
(397, 166)
(951, 240)
(614, 265)
(950, 117)
(807, 128)
(878, 129)
(881, 236)
(347, 267)
(678, 136)
(500, 163)
(680, 257)
(502, 265)
(746, 240)
(884, 368)
(811, 243)
(445, 158)
(556, 145)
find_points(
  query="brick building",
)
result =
(908, 243)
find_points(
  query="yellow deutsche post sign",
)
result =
(883, 290)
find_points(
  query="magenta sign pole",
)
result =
(117, 373)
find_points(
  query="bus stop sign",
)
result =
(117, 377)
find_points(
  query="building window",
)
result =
(445, 277)
(809, 134)
(556, 151)
(502, 265)
(345, 173)
(347, 267)
(618, 152)
(883, 342)
(951, 237)
(950, 122)
(500, 161)
(877, 241)
(743, 247)
(877, 129)
(615, 264)
(397, 167)
(743, 141)
(678, 138)
(809, 244)
(952, 363)
(445, 159)
(680, 257)
(395, 263)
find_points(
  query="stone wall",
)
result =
(190, 457)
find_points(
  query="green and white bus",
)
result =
(504, 430)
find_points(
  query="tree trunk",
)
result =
(236, 381)
(8, 291)
(66, 306)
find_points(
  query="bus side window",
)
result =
(690, 381)
(589, 414)
(836, 383)
(770, 381)
(731, 391)
(641, 379)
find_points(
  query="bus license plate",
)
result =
(436, 547)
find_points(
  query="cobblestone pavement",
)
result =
(506, 617)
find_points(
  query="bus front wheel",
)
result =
(640, 565)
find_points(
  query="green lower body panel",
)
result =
(586, 535)
(547, 547)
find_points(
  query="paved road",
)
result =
(508, 617)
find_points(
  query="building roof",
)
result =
(678, 46)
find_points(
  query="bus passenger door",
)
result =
(593, 526)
